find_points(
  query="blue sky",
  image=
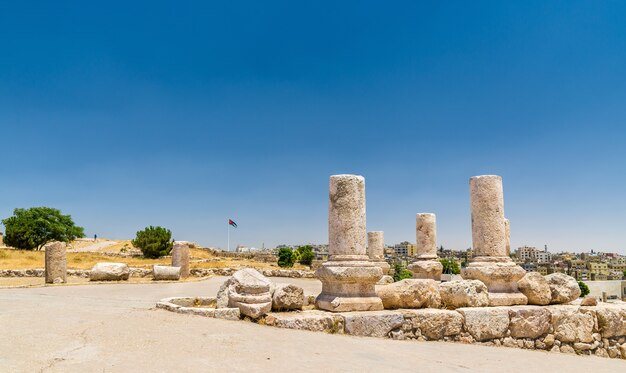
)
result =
(183, 114)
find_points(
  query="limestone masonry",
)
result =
(56, 263)
(426, 265)
(349, 277)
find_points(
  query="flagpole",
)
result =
(228, 236)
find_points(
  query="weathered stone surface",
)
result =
(426, 236)
(56, 263)
(486, 323)
(410, 293)
(564, 288)
(109, 272)
(435, 324)
(287, 298)
(316, 321)
(227, 313)
(463, 293)
(570, 325)
(426, 269)
(567, 349)
(376, 250)
(165, 273)
(385, 280)
(529, 322)
(589, 301)
(535, 287)
(487, 207)
(371, 323)
(222, 294)
(180, 257)
(249, 291)
(348, 278)
(611, 320)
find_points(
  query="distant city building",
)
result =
(532, 254)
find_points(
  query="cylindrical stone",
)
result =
(346, 218)
(376, 245)
(180, 257)
(507, 231)
(426, 236)
(56, 263)
(487, 205)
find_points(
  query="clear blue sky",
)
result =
(183, 114)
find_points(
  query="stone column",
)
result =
(56, 263)
(426, 264)
(490, 263)
(348, 277)
(376, 250)
(180, 257)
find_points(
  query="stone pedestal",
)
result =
(426, 265)
(180, 257)
(56, 263)
(490, 263)
(376, 250)
(348, 277)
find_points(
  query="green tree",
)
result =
(400, 272)
(32, 228)
(305, 255)
(450, 266)
(286, 257)
(154, 242)
(584, 289)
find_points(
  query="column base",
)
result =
(383, 265)
(426, 269)
(501, 278)
(348, 286)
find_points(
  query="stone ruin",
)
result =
(497, 303)
(56, 263)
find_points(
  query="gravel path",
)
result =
(93, 248)
(115, 328)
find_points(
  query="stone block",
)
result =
(529, 322)
(371, 323)
(435, 324)
(410, 293)
(486, 323)
(463, 293)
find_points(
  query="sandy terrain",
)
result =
(115, 328)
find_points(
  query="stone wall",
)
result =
(143, 272)
(597, 330)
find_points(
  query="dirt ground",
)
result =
(116, 328)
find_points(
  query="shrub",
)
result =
(286, 257)
(154, 242)
(32, 228)
(450, 266)
(584, 289)
(306, 255)
(400, 272)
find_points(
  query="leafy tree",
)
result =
(286, 257)
(154, 242)
(450, 266)
(584, 289)
(305, 255)
(32, 228)
(400, 272)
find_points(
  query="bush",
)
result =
(154, 242)
(584, 289)
(400, 272)
(306, 255)
(32, 228)
(286, 257)
(450, 266)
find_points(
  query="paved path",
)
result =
(93, 248)
(115, 328)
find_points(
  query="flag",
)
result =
(230, 222)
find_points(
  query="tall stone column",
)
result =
(376, 250)
(348, 277)
(56, 263)
(426, 264)
(180, 257)
(490, 263)
(507, 232)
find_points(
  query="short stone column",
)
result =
(348, 277)
(376, 250)
(426, 264)
(180, 257)
(490, 263)
(56, 263)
